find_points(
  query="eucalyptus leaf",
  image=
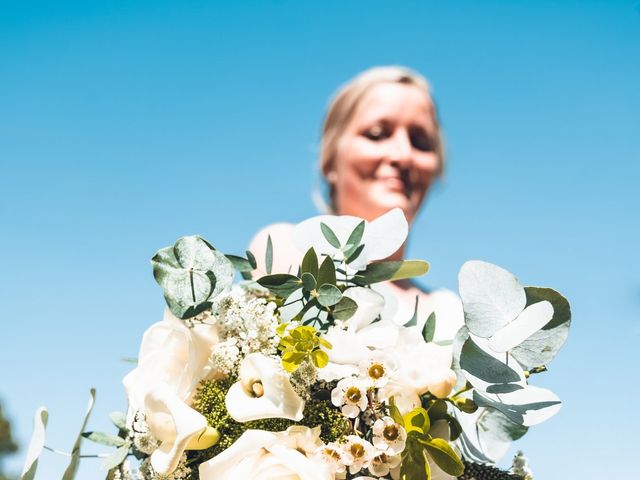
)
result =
(495, 425)
(491, 297)
(345, 309)
(391, 270)
(445, 456)
(191, 273)
(353, 242)
(117, 457)
(530, 320)
(308, 281)
(541, 347)
(528, 406)
(483, 369)
(413, 321)
(72, 468)
(36, 444)
(354, 254)
(239, 263)
(119, 419)
(310, 262)
(268, 259)
(327, 272)
(104, 438)
(329, 235)
(329, 295)
(281, 284)
(252, 259)
(429, 329)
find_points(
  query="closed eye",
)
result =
(421, 140)
(377, 133)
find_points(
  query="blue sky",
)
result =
(124, 126)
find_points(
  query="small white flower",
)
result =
(358, 453)
(388, 436)
(332, 456)
(382, 464)
(351, 395)
(377, 369)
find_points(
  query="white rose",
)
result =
(261, 455)
(172, 354)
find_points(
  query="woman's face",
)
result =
(386, 156)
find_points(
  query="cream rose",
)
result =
(261, 455)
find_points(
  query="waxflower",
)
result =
(358, 453)
(388, 436)
(351, 395)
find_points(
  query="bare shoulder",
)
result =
(286, 256)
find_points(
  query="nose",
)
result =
(400, 148)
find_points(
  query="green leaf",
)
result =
(117, 457)
(252, 259)
(36, 444)
(417, 420)
(104, 438)
(329, 295)
(345, 309)
(268, 261)
(445, 456)
(394, 412)
(70, 472)
(429, 328)
(319, 358)
(191, 273)
(497, 426)
(414, 319)
(329, 235)
(491, 296)
(308, 281)
(414, 464)
(392, 270)
(310, 263)
(542, 347)
(354, 239)
(239, 263)
(327, 272)
(281, 284)
(119, 419)
(455, 429)
(528, 406)
(353, 255)
(478, 363)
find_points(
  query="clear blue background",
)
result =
(125, 125)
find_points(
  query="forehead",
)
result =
(395, 101)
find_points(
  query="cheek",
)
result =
(356, 159)
(426, 168)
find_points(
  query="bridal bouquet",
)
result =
(312, 374)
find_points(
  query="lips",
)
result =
(395, 184)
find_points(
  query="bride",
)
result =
(381, 148)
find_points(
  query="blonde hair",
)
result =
(346, 101)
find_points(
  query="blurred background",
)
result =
(125, 125)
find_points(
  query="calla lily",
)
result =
(263, 391)
(177, 426)
(381, 238)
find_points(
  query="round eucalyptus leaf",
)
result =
(530, 320)
(527, 406)
(495, 425)
(541, 347)
(329, 295)
(308, 281)
(491, 297)
(490, 371)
